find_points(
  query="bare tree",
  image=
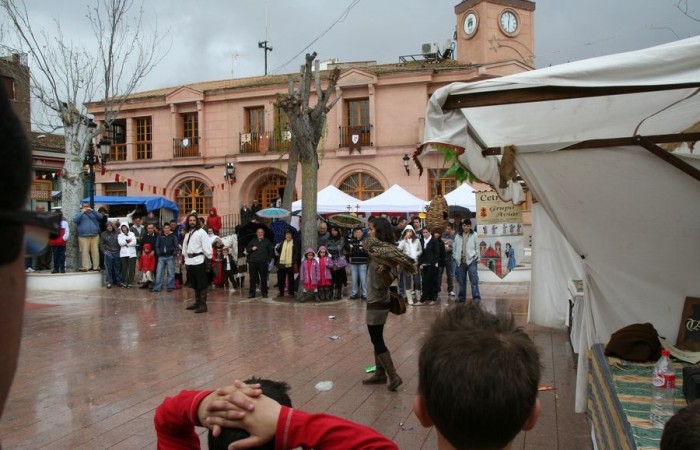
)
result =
(683, 7)
(307, 125)
(65, 76)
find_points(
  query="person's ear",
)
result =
(534, 415)
(420, 412)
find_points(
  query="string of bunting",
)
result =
(133, 182)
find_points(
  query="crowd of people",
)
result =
(478, 373)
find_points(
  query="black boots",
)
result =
(203, 303)
(195, 305)
(379, 375)
(338, 293)
(394, 379)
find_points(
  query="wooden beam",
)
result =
(548, 93)
(668, 157)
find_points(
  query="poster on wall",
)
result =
(499, 227)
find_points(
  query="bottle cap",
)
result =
(665, 352)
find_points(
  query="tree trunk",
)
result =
(309, 188)
(292, 165)
(71, 194)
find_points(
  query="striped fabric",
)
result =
(619, 400)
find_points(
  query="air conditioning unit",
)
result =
(429, 48)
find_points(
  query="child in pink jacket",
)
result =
(325, 264)
(308, 273)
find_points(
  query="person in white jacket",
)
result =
(410, 245)
(127, 253)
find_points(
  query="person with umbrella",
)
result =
(260, 251)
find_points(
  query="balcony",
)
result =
(279, 142)
(186, 147)
(365, 136)
(117, 152)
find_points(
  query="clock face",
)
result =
(471, 22)
(508, 22)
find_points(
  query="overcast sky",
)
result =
(213, 39)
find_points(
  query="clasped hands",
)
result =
(242, 406)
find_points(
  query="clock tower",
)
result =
(495, 31)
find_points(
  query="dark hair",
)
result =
(384, 231)
(682, 431)
(276, 390)
(15, 176)
(197, 225)
(477, 376)
(335, 228)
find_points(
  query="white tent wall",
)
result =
(553, 265)
(462, 196)
(330, 199)
(640, 261)
(632, 216)
(394, 199)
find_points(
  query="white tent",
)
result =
(330, 199)
(394, 199)
(462, 196)
(585, 138)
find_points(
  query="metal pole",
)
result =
(91, 156)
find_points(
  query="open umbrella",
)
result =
(345, 220)
(273, 213)
(247, 232)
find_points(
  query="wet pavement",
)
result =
(95, 364)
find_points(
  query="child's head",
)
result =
(147, 248)
(224, 251)
(322, 251)
(309, 254)
(478, 375)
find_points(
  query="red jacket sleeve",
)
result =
(296, 428)
(175, 420)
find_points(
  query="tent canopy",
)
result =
(150, 203)
(463, 196)
(583, 136)
(394, 199)
(330, 200)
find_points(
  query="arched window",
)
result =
(194, 195)
(361, 186)
(437, 179)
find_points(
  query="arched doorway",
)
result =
(194, 194)
(270, 189)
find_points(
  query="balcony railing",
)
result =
(279, 142)
(365, 136)
(185, 147)
(117, 152)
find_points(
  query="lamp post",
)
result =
(91, 160)
(406, 159)
(230, 176)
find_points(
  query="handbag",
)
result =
(340, 262)
(397, 303)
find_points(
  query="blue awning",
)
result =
(150, 203)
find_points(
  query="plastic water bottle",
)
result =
(663, 384)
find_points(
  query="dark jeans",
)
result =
(258, 274)
(197, 277)
(339, 278)
(128, 269)
(113, 268)
(59, 258)
(431, 276)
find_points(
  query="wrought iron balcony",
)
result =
(365, 136)
(279, 142)
(185, 147)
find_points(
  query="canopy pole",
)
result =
(668, 157)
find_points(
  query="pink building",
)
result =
(177, 141)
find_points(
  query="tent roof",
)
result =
(584, 136)
(464, 196)
(330, 200)
(151, 203)
(394, 199)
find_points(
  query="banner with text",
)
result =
(499, 226)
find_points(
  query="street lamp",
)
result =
(406, 159)
(91, 160)
(230, 174)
